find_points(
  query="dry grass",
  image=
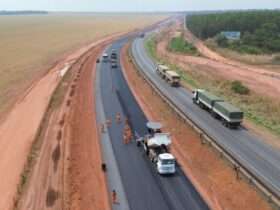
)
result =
(267, 61)
(31, 44)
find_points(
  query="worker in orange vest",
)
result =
(114, 197)
(127, 134)
(108, 122)
(102, 128)
(118, 118)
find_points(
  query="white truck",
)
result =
(161, 70)
(172, 78)
(156, 146)
(169, 76)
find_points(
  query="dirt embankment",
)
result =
(20, 127)
(86, 180)
(215, 180)
(68, 165)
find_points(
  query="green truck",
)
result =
(205, 99)
(230, 116)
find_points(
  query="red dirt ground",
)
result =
(19, 129)
(88, 184)
(213, 178)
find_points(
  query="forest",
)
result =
(260, 30)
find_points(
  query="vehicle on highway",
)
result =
(169, 76)
(161, 70)
(231, 116)
(105, 57)
(142, 35)
(114, 54)
(156, 145)
(172, 78)
(114, 64)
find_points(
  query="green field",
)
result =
(31, 44)
(180, 45)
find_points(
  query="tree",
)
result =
(222, 40)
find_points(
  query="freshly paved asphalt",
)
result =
(144, 188)
(252, 152)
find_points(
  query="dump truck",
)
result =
(172, 78)
(156, 146)
(205, 99)
(231, 116)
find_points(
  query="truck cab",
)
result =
(161, 70)
(166, 164)
(195, 95)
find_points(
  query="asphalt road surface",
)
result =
(252, 152)
(144, 188)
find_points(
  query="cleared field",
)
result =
(270, 62)
(29, 45)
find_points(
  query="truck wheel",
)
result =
(214, 115)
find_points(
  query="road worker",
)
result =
(125, 141)
(114, 197)
(118, 118)
(102, 128)
(127, 134)
(108, 122)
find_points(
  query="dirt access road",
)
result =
(261, 81)
(20, 127)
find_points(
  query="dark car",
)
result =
(114, 55)
(114, 65)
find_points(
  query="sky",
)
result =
(136, 5)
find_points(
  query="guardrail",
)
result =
(239, 168)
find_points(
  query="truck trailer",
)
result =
(169, 76)
(230, 116)
(156, 146)
(172, 78)
(205, 99)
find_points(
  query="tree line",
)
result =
(260, 30)
(23, 12)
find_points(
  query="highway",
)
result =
(144, 188)
(261, 159)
